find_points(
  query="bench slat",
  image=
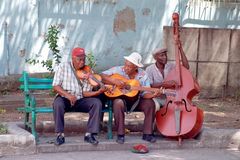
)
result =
(37, 80)
(37, 110)
(37, 86)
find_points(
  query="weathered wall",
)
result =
(108, 28)
(214, 56)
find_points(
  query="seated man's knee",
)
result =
(97, 103)
(150, 105)
(58, 104)
(118, 104)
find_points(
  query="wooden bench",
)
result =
(30, 84)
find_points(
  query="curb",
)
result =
(19, 141)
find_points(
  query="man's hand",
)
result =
(173, 83)
(72, 99)
(157, 92)
(103, 89)
(119, 83)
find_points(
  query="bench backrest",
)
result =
(31, 83)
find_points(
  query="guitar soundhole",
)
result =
(127, 87)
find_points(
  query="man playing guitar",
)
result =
(142, 102)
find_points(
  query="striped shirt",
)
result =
(141, 75)
(65, 78)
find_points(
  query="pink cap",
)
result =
(78, 52)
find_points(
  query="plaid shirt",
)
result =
(65, 78)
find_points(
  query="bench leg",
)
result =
(110, 117)
(33, 125)
(26, 121)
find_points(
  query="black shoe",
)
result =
(120, 139)
(90, 139)
(60, 140)
(149, 137)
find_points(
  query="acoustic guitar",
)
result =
(131, 88)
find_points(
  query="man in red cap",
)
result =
(75, 95)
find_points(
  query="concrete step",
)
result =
(209, 138)
(14, 101)
(19, 141)
(76, 143)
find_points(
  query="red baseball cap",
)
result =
(78, 52)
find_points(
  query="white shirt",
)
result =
(155, 75)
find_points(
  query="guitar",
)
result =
(131, 88)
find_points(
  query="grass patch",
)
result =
(3, 129)
(2, 110)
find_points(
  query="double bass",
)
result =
(180, 118)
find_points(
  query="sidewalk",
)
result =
(19, 141)
(167, 154)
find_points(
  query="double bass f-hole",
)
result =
(166, 110)
(185, 105)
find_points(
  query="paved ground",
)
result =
(206, 146)
(180, 154)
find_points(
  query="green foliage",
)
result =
(2, 110)
(91, 61)
(51, 39)
(32, 61)
(237, 94)
(52, 93)
(48, 65)
(3, 129)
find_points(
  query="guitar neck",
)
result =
(96, 80)
(139, 88)
(168, 92)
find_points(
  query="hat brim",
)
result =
(130, 60)
(159, 51)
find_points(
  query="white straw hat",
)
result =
(135, 58)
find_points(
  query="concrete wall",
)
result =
(108, 28)
(214, 56)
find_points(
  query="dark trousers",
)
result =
(93, 106)
(147, 106)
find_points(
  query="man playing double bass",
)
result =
(160, 69)
(132, 71)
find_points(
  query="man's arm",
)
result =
(183, 56)
(65, 94)
(165, 84)
(184, 60)
(94, 93)
(108, 80)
